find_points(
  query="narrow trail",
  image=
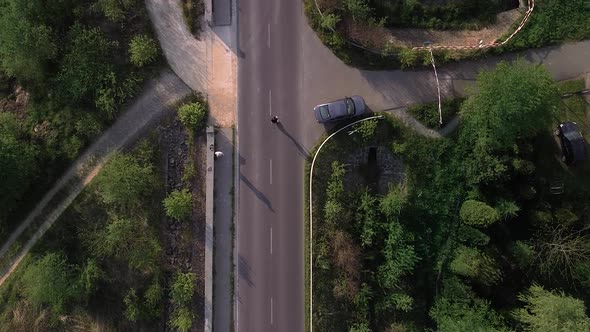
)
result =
(156, 100)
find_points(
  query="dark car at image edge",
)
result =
(572, 142)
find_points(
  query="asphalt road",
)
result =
(269, 234)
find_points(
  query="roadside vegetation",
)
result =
(429, 116)
(192, 11)
(348, 24)
(67, 68)
(473, 238)
(100, 265)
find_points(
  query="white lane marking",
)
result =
(271, 240)
(271, 318)
(268, 40)
(269, 102)
(271, 171)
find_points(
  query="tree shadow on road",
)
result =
(245, 271)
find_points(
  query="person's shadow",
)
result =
(302, 150)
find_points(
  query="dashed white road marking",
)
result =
(268, 40)
(271, 313)
(271, 240)
(271, 171)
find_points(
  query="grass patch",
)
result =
(428, 114)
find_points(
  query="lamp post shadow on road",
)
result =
(257, 192)
(302, 150)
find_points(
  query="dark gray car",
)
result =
(340, 109)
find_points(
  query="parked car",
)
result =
(573, 145)
(340, 109)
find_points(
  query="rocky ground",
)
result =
(184, 241)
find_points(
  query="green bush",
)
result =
(183, 288)
(523, 254)
(123, 181)
(178, 204)
(478, 213)
(182, 319)
(142, 50)
(51, 281)
(115, 10)
(471, 263)
(86, 63)
(17, 163)
(132, 309)
(193, 115)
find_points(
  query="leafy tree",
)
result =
(514, 100)
(115, 10)
(549, 311)
(360, 327)
(523, 167)
(89, 277)
(367, 129)
(86, 64)
(507, 209)
(335, 189)
(368, 218)
(183, 287)
(472, 236)
(143, 50)
(130, 241)
(123, 181)
(478, 213)
(193, 115)
(392, 204)
(17, 163)
(178, 204)
(329, 21)
(27, 44)
(457, 309)
(50, 280)
(399, 256)
(182, 319)
(153, 298)
(359, 9)
(523, 254)
(472, 263)
(582, 274)
(132, 308)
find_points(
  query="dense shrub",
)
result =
(193, 115)
(50, 281)
(143, 50)
(478, 213)
(178, 204)
(123, 181)
(183, 288)
(86, 65)
(17, 163)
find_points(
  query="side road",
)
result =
(157, 100)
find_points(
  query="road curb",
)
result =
(209, 197)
